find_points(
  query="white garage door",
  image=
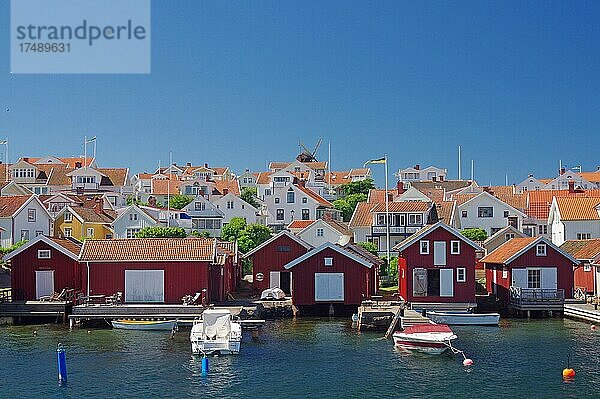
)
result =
(447, 282)
(144, 285)
(44, 283)
(329, 287)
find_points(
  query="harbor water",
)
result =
(320, 358)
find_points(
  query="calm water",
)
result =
(303, 358)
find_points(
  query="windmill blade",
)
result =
(317, 147)
(305, 150)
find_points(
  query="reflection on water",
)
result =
(303, 358)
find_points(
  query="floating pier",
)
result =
(378, 314)
(582, 311)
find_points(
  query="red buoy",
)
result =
(468, 362)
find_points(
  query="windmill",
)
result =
(307, 155)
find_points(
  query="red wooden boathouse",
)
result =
(43, 266)
(269, 259)
(587, 252)
(155, 270)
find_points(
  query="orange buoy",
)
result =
(468, 362)
(568, 374)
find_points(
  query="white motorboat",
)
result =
(216, 333)
(427, 338)
(164, 325)
(464, 319)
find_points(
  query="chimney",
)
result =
(152, 201)
(327, 216)
(77, 165)
(206, 165)
(390, 196)
(225, 191)
(441, 178)
(597, 168)
(400, 187)
(433, 178)
(302, 183)
(418, 167)
(98, 206)
(188, 164)
(562, 171)
(26, 159)
(488, 190)
(571, 187)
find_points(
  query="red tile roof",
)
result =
(164, 187)
(264, 178)
(445, 209)
(505, 251)
(91, 216)
(404, 206)
(72, 161)
(300, 224)
(582, 249)
(337, 178)
(578, 208)
(362, 215)
(322, 201)
(232, 185)
(116, 176)
(10, 205)
(71, 245)
(149, 249)
(376, 195)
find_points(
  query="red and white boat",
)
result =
(428, 338)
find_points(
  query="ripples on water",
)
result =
(321, 358)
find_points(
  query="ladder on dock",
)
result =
(394, 322)
(411, 318)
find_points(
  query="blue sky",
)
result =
(517, 84)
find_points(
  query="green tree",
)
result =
(131, 200)
(475, 234)
(161, 232)
(248, 194)
(179, 201)
(358, 187)
(204, 234)
(369, 246)
(257, 233)
(347, 204)
(234, 229)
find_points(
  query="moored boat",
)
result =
(216, 333)
(427, 338)
(166, 325)
(464, 319)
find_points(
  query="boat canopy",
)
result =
(427, 328)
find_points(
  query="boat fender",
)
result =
(62, 364)
(467, 362)
(204, 366)
(593, 327)
(568, 374)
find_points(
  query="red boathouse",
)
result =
(44, 266)
(587, 252)
(269, 259)
(155, 270)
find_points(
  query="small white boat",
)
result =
(464, 319)
(216, 333)
(273, 294)
(166, 325)
(427, 338)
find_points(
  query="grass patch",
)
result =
(388, 290)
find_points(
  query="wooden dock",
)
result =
(35, 309)
(377, 315)
(582, 311)
(412, 317)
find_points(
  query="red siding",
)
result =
(268, 259)
(463, 292)
(66, 271)
(564, 270)
(181, 278)
(583, 279)
(359, 280)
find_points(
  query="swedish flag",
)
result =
(379, 160)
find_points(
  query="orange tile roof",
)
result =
(70, 161)
(56, 174)
(10, 205)
(518, 201)
(437, 195)
(359, 172)
(337, 178)
(322, 201)
(547, 195)
(505, 251)
(71, 245)
(149, 249)
(462, 198)
(445, 209)
(232, 185)
(340, 227)
(404, 206)
(362, 215)
(376, 195)
(116, 176)
(502, 190)
(578, 208)
(164, 187)
(582, 249)
(593, 177)
(90, 215)
(300, 224)
(264, 178)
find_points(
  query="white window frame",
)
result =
(320, 232)
(421, 250)
(542, 253)
(88, 231)
(328, 261)
(31, 215)
(504, 273)
(459, 271)
(587, 267)
(68, 216)
(68, 232)
(452, 251)
(44, 254)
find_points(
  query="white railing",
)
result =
(535, 296)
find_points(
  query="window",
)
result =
(543, 229)
(587, 267)
(24, 235)
(455, 247)
(485, 212)
(291, 198)
(199, 206)
(130, 233)
(133, 216)
(380, 219)
(461, 274)
(68, 232)
(267, 191)
(415, 219)
(39, 233)
(305, 214)
(43, 254)
(280, 214)
(508, 236)
(277, 200)
(424, 245)
(108, 236)
(68, 217)
(304, 200)
(504, 273)
(464, 214)
(328, 261)
(198, 224)
(584, 236)
(89, 232)
(534, 278)
(540, 250)
(229, 204)
(283, 248)
(31, 215)
(505, 214)
(320, 232)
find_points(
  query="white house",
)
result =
(204, 216)
(574, 218)
(415, 173)
(561, 182)
(321, 231)
(530, 184)
(233, 206)
(22, 218)
(131, 220)
(487, 212)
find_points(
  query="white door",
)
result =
(495, 287)
(329, 286)
(439, 253)
(44, 283)
(144, 285)
(519, 278)
(549, 280)
(274, 280)
(447, 282)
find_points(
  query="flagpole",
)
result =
(84, 152)
(387, 213)
(169, 190)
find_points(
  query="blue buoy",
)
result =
(62, 364)
(204, 366)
